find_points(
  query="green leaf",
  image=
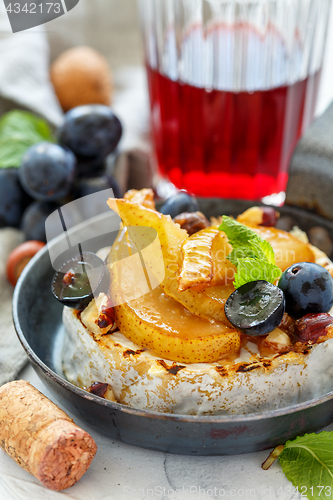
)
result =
(18, 131)
(253, 256)
(253, 270)
(237, 233)
(308, 464)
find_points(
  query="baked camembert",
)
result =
(172, 348)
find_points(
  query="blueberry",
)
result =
(179, 203)
(47, 171)
(91, 132)
(33, 220)
(255, 308)
(11, 198)
(308, 288)
(71, 285)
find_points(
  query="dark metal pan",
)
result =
(37, 318)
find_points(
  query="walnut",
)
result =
(192, 222)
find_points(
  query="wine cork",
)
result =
(42, 438)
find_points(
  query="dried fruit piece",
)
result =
(192, 222)
(102, 390)
(312, 326)
(99, 315)
(260, 216)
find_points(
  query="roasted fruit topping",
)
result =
(192, 222)
(159, 322)
(287, 248)
(99, 316)
(261, 216)
(197, 266)
(47, 171)
(207, 303)
(20, 257)
(78, 280)
(312, 326)
(178, 203)
(255, 308)
(204, 260)
(144, 197)
(308, 288)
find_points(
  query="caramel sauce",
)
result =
(175, 320)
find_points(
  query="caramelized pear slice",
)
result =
(207, 303)
(158, 322)
(288, 250)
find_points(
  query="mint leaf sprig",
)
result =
(253, 256)
(18, 131)
(307, 462)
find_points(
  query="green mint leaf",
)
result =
(307, 462)
(253, 256)
(237, 233)
(18, 131)
(253, 270)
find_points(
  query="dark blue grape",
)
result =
(90, 167)
(255, 308)
(33, 220)
(11, 198)
(308, 289)
(96, 184)
(179, 203)
(71, 285)
(91, 132)
(47, 171)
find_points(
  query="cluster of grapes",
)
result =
(54, 174)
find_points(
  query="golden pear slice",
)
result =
(288, 250)
(207, 303)
(158, 322)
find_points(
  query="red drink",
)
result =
(228, 144)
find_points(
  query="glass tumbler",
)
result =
(233, 85)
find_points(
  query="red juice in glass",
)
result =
(233, 85)
(228, 144)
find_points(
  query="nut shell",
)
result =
(81, 75)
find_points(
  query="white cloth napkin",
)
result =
(24, 83)
(12, 355)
